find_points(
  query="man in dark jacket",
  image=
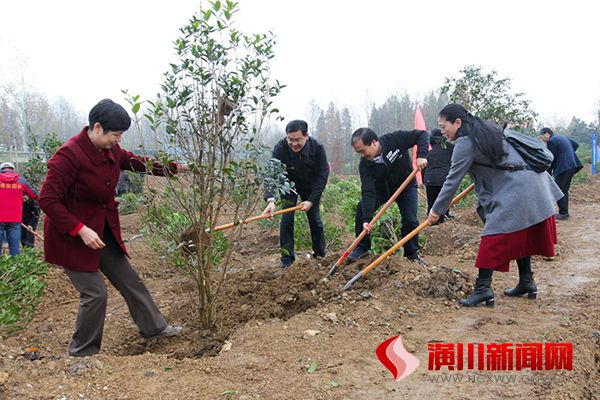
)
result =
(438, 165)
(307, 166)
(384, 165)
(565, 165)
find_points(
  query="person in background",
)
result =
(516, 203)
(307, 166)
(565, 165)
(31, 217)
(82, 230)
(438, 165)
(12, 189)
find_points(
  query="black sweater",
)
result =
(308, 169)
(438, 161)
(386, 178)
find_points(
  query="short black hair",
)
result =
(436, 132)
(548, 131)
(367, 135)
(110, 115)
(297, 125)
(453, 111)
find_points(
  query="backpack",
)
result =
(534, 152)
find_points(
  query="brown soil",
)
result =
(274, 325)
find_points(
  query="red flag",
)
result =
(419, 124)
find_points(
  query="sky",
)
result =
(353, 53)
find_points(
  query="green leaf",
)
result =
(229, 392)
(312, 368)
(334, 384)
(136, 108)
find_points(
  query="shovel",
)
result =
(30, 229)
(395, 247)
(253, 219)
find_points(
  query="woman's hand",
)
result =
(90, 238)
(433, 217)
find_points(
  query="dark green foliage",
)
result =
(21, 288)
(489, 97)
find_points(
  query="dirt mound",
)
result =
(586, 193)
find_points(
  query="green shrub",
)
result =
(21, 288)
(580, 178)
(129, 203)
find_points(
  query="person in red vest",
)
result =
(12, 188)
(82, 229)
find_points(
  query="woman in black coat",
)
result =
(438, 165)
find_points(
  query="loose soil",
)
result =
(275, 325)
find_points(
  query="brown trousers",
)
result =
(89, 326)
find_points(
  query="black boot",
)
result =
(526, 286)
(483, 292)
(526, 283)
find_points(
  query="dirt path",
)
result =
(267, 317)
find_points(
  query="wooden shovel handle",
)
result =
(256, 218)
(411, 235)
(377, 216)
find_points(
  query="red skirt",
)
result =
(496, 251)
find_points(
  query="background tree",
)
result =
(489, 97)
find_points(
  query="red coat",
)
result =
(79, 189)
(12, 188)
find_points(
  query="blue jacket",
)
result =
(565, 159)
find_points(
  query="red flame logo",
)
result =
(394, 357)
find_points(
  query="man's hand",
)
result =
(269, 209)
(367, 227)
(90, 238)
(306, 205)
(421, 163)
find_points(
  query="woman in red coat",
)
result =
(82, 230)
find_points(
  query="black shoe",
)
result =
(562, 217)
(285, 264)
(419, 260)
(356, 254)
(482, 293)
(526, 286)
(318, 256)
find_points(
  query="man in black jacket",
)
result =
(307, 166)
(384, 165)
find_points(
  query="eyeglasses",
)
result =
(295, 141)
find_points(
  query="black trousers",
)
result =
(564, 183)
(407, 203)
(432, 195)
(28, 238)
(286, 229)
